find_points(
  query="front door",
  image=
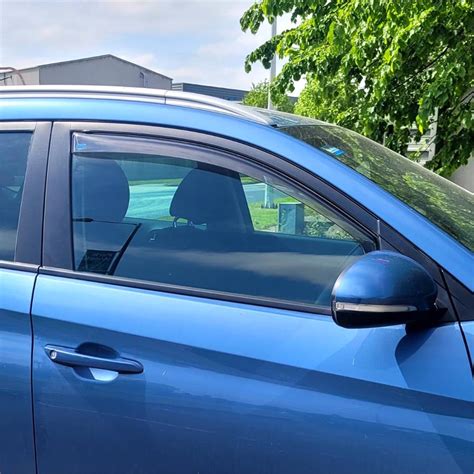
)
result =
(190, 329)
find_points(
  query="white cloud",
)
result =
(189, 40)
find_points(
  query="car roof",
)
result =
(271, 118)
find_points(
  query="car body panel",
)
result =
(230, 387)
(468, 330)
(17, 454)
(227, 386)
(447, 252)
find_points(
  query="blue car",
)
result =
(193, 286)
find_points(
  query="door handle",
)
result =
(71, 358)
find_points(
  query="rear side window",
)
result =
(14, 148)
(156, 214)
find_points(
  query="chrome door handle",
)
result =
(71, 358)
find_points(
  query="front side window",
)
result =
(14, 148)
(150, 213)
(273, 210)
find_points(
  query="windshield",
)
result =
(445, 204)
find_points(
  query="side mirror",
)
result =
(381, 289)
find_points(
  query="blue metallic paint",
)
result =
(16, 422)
(229, 387)
(468, 329)
(447, 252)
(387, 279)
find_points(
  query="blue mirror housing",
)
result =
(383, 288)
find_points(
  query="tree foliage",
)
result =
(258, 97)
(379, 66)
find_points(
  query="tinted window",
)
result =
(272, 210)
(170, 219)
(13, 155)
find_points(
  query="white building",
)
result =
(426, 148)
(464, 176)
(107, 70)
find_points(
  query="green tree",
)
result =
(379, 66)
(258, 97)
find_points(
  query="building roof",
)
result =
(215, 91)
(94, 58)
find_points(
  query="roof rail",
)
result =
(170, 97)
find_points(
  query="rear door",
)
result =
(182, 321)
(23, 153)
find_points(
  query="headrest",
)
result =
(100, 190)
(208, 195)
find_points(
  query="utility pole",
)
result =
(273, 65)
(269, 198)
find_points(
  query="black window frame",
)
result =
(28, 250)
(58, 257)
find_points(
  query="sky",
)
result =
(189, 40)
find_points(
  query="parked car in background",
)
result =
(191, 285)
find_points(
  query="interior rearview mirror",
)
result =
(383, 288)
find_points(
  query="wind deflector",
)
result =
(97, 143)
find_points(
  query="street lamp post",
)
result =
(273, 65)
(269, 197)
